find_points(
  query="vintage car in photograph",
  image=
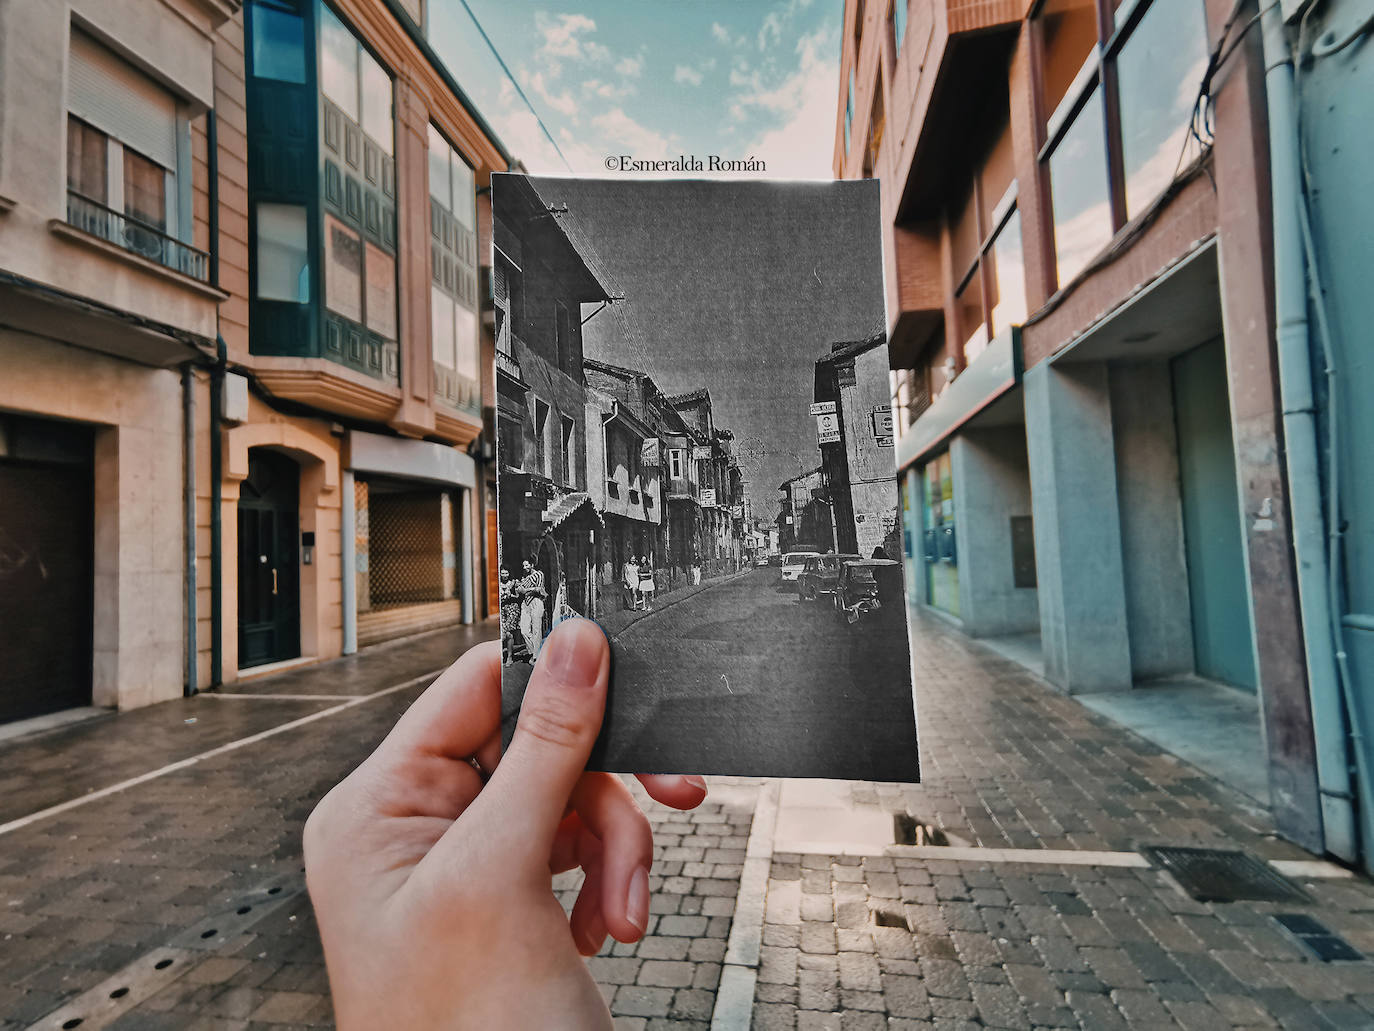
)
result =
(819, 574)
(868, 586)
(793, 563)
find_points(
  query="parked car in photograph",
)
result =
(819, 574)
(793, 563)
(867, 586)
(761, 560)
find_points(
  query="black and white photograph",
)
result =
(695, 450)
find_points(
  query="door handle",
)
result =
(274, 579)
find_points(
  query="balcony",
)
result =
(138, 238)
(507, 366)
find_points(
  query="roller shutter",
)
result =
(121, 101)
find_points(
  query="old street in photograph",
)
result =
(695, 449)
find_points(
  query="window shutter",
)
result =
(121, 101)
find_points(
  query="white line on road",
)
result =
(182, 764)
(286, 697)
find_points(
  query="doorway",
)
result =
(46, 566)
(269, 576)
(1219, 595)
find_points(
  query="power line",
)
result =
(516, 83)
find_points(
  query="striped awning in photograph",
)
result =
(565, 506)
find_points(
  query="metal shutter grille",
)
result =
(122, 102)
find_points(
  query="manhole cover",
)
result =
(1324, 943)
(1219, 875)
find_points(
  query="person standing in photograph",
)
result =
(532, 595)
(646, 581)
(629, 584)
(510, 617)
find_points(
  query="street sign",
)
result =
(881, 417)
(701, 454)
(708, 497)
(823, 408)
(828, 428)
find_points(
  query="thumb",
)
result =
(560, 718)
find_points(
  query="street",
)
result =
(769, 908)
(753, 682)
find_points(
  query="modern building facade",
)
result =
(242, 322)
(1086, 381)
(106, 294)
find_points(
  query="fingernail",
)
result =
(697, 782)
(637, 899)
(572, 653)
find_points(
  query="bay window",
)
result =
(453, 250)
(1116, 87)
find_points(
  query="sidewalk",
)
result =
(615, 621)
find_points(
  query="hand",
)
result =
(430, 865)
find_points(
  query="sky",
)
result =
(734, 286)
(651, 79)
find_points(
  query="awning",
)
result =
(565, 506)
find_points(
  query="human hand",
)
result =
(429, 866)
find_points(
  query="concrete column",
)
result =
(1082, 594)
(991, 487)
(348, 592)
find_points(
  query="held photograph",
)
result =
(695, 450)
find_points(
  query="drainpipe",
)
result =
(1300, 443)
(188, 436)
(348, 532)
(216, 419)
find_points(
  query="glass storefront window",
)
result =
(1168, 46)
(338, 63)
(1068, 40)
(1008, 301)
(969, 302)
(1079, 191)
(377, 103)
(343, 270)
(283, 256)
(278, 44)
(381, 292)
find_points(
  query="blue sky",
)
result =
(652, 79)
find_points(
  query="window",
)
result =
(898, 24)
(453, 252)
(442, 327)
(377, 103)
(675, 463)
(541, 444)
(1098, 57)
(125, 135)
(283, 269)
(973, 329)
(277, 43)
(568, 464)
(381, 292)
(1008, 301)
(343, 270)
(338, 63)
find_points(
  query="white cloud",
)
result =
(567, 36)
(770, 31)
(801, 146)
(630, 67)
(607, 90)
(627, 136)
(562, 102)
(721, 33)
(687, 76)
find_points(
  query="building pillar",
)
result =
(1082, 597)
(991, 489)
(348, 590)
(466, 514)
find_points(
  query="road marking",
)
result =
(734, 1006)
(287, 697)
(181, 764)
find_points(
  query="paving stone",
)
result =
(905, 996)
(773, 1017)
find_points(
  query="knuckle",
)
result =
(555, 721)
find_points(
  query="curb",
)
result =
(687, 592)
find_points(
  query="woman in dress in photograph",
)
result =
(646, 581)
(510, 618)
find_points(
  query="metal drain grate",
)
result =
(1218, 875)
(1324, 943)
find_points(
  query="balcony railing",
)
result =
(507, 364)
(137, 237)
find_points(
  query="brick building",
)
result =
(1085, 375)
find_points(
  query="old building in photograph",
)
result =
(853, 383)
(1086, 380)
(108, 294)
(548, 515)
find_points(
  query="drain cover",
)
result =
(1324, 943)
(1218, 875)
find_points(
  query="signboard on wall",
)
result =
(881, 418)
(701, 454)
(828, 428)
(708, 497)
(823, 408)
